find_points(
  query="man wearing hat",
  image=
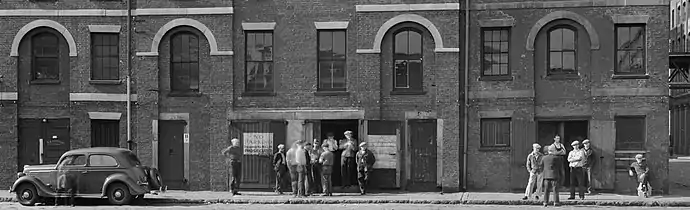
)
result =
(577, 174)
(365, 164)
(535, 169)
(553, 173)
(640, 168)
(587, 164)
(348, 163)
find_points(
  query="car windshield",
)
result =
(133, 159)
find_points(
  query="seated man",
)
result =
(640, 170)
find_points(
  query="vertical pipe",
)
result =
(466, 88)
(129, 73)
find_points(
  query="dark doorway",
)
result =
(569, 131)
(42, 141)
(338, 128)
(171, 153)
(422, 155)
(105, 133)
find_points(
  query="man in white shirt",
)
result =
(577, 173)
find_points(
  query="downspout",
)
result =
(129, 73)
(465, 93)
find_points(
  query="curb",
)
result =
(644, 203)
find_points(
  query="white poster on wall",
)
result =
(385, 149)
(258, 143)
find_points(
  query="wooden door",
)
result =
(171, 153)
(422, 155)
(105, 133)
(383, 138)
(56, 140)
(259, 140)
(523, 136)
(28, 148)
(604, 145)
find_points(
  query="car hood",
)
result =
(39, 167)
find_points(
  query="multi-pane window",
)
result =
(630, 49)
(495, 132)
(184, 62)
(46, 59)
(407, 59)
(105, 56)
(259, 61)
(630, 132)
(562, 45)
(495, 51)
(332, 56)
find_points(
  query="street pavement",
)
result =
(16, 206)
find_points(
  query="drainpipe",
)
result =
(129, 73)
(466, 89)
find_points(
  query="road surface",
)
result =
(16, 206)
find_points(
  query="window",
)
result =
(495, 52)
(46, 59)
(407, 60)
(102, 160)
(630, 132)
(105, 58)
(332, 60)
(105, 133)
(562, 45)
(630, 49)
(259, 61)
(74, 160)
(184, 62)
(495, 132)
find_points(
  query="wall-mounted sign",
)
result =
(257, 143)
(186, 138)
(385, 149)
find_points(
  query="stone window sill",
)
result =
(496, 78)
(184, 94)
(105, 82)
(331, 93)
(408, 92)
(630, 76)
(563, 77)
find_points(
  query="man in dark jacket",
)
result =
(553, 173)
(587, 165)
(280, 166)
(365, 164)
(234, 157)
(326, 160)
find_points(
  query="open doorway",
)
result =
(338, 128)
(569, 131)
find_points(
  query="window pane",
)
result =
(180, 76)
(325, 74)
(415, 78)
(623, 36)
(401, 73)
(97, 68)
(496, 69)
(401, 43)
(638, 58)
(251, 48)
(488, 35)
(339, 43)
(194, 76)
(504, 69)
(569, 39)
(268, 39)
(569, 61)
(339, 80)
(505, 35)
(637, 35)
(253, 74)
(46, 68)
(504, 47)
(488, 47)
(113, 51)
(415, 46)
(556, 39)
(623, 61)
(495, 47)
(268, 76)
(79, 160)
(503, 58)
(555, 61)
(496, 35)
(495, 132)
(495, 58)
(102, 160)
(325, 45)
(193, 49)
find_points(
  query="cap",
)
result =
(575, 143)
(639, 156)
(536, 146)
(586, 141)
(362, 144)
(348, 132)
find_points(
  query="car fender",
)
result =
(42, 189)
(134, 188)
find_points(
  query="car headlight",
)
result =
(20, 174)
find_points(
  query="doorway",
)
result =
(42, 141)
(422, 155)
(338, 128)
(171, 153)
(568, 130)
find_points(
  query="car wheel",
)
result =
(27, 194)
(118, 194)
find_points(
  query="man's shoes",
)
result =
(236, 193)
(524, 198)
(571, 198)
(362, 193)
(546, 204)
(556, 204)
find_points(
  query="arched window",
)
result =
(184, 62)
(562, 45)
(407, 59)
(45, 56)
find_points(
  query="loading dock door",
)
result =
(423, 153)
(384, 140)
(259, 141)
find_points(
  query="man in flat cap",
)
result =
(640, 169)
(588, 161)
(535, 169)
(348, 163)
(577, 175)
(365, 164)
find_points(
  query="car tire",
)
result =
(155, 180)
(27, 194)
(118, 194)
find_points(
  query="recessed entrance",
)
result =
(569, 130)
(338, 128)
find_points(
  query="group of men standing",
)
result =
(549, 170)
(310, 165)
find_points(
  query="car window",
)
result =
(102, 160)
(73, 160)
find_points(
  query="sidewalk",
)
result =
(208, 197)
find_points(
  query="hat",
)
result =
(536, 146)
(362, 144)
(586, 141)
(574, 143)
(639, 156)
(348, 132)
